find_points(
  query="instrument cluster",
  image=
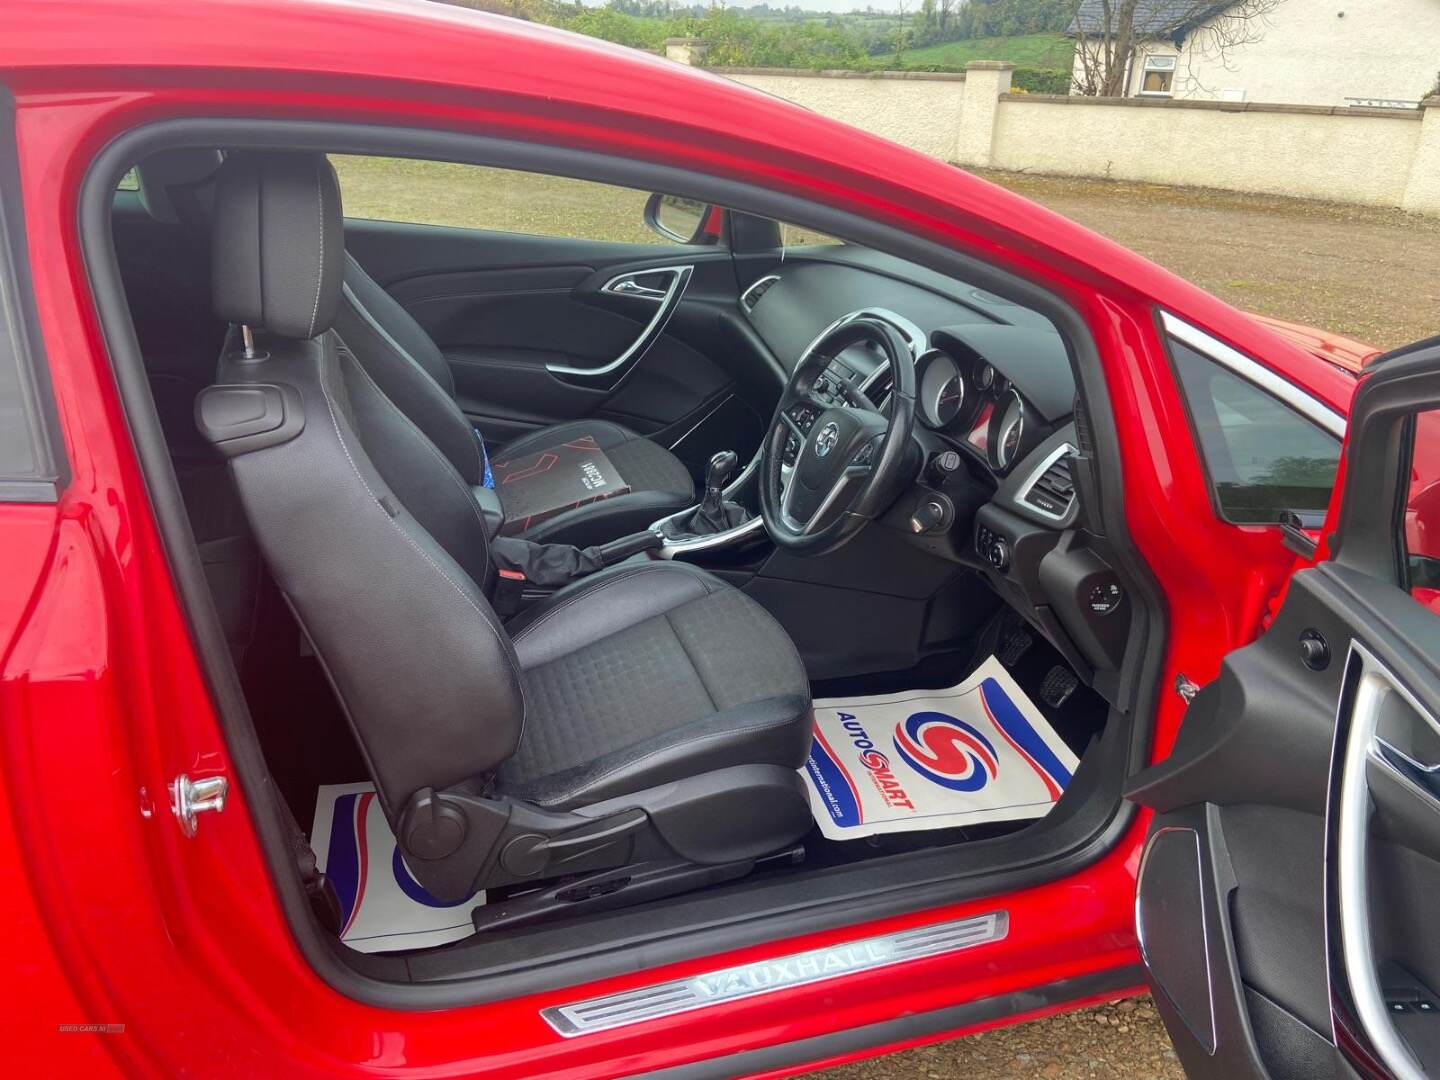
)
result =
(967, 398)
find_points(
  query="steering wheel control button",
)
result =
(1105, 597)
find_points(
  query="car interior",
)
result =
(824, 472)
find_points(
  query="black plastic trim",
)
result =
(20, 328)
(374, 980)
(904, 1029)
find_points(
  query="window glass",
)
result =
(1422, 512)
(477, 197)
(800, 236)
(130, 181)
(1262, 456)
(1158, 75)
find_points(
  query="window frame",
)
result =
(1160, 68)
(1299, 402)
(21, 345)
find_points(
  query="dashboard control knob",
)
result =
(999, 553)
(945, 465)
(928, 516)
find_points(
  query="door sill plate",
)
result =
(781, 973)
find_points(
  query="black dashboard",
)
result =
(995, 426)
(993, 378)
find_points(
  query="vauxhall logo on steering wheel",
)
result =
(826, 440)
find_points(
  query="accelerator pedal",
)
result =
(1057, 686)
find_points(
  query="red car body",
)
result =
(113, 916)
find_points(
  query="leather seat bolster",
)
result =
(603, 604)
(765, 732)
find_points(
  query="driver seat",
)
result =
(649, 713)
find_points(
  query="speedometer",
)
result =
(1007, 432)
(942, 389)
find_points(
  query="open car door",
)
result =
(1290, 885)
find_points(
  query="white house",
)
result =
(1302, 52)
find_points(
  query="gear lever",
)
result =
(711, 515)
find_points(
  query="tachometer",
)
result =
(942, 389)
(1007, 432)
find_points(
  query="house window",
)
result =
(1158, 74)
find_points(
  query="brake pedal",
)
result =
(1059, 683)
(1013, 646)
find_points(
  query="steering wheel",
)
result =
(850, 465)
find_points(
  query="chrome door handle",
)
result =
(628, 286)
(1425, 779)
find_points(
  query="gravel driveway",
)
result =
(1365, 273)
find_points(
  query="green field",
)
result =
(1053, 51)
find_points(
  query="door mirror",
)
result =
(685, 221)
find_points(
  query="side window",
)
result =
(1422, 512)
(129, 182)
(478, 197)
(1262, 456)
(31, 456)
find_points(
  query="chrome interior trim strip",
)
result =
(781, 973)
(1374, 685)
(696, 426)
(653, 329)
(1253, 372)
(756, 284)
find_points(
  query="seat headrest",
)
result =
(277, 247)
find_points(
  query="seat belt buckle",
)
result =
(509, 592)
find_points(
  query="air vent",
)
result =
(878, 386)
(1053, 490)
(751, 296)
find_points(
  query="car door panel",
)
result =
(1297, 921)
(513, 314)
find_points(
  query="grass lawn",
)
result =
(473, 197)
(1054, 51)
(467, 196)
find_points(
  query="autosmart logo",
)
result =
(947, 751)
(877, 765)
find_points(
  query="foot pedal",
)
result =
(1058, 685)
(1015, 644)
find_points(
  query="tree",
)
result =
(899, 32)
(1107, 33)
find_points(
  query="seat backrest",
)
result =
(408, 366)
(371, 533)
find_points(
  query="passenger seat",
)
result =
(409, 368)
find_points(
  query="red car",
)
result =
(451, 630)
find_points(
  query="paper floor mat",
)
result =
(934, 759)
(382, 906)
